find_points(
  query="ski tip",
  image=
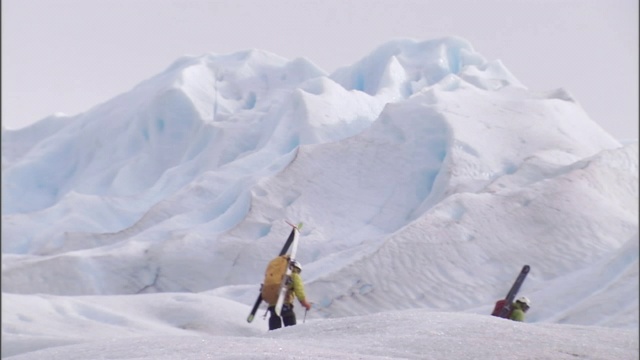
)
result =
(298, 227)
(250, 318)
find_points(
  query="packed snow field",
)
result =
(425, 176)
(201, 326)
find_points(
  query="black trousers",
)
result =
(287, 314)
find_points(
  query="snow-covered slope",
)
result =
(425, 175)
(189, 326)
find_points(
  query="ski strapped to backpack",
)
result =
(293, 235)
(503, 307)
(283, 288)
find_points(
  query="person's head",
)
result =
(524, 303)
(296, 266)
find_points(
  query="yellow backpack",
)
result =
(273, 276)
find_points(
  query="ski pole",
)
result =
(305, 315)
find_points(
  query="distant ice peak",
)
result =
(409, 65)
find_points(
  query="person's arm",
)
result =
(298, 289)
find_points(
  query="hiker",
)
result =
(516, 311)
(295, 289)
(519, 308)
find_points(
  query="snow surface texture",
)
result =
(425, 175)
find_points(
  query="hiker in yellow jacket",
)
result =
(519, 308)
(295, 289)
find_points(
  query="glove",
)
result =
(305, 304)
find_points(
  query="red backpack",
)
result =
(499, 305)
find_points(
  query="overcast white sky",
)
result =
(69, 55)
